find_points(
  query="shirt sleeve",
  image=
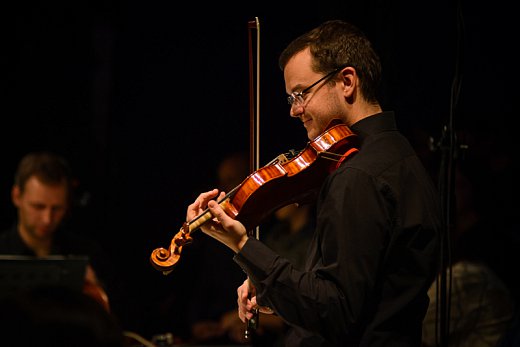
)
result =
(343, 261)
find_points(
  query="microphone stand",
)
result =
(449, 153)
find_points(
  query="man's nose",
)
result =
(47, 215)
(296, 110)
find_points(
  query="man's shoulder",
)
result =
(7, 231)
(10, 242)
(71, 239)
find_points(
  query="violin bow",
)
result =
(254, 133)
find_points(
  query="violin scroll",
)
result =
(165, 259)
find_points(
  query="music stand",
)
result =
(21, 273)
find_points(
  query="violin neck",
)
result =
(206, 215)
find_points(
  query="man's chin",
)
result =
(43, 234)
(312, 134)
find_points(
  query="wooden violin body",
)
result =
(287, 179)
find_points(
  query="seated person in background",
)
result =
(41, 193)
(291, 232)
(481, 302)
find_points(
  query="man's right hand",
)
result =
(247, 302)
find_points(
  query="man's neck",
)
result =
(363, 111)
(41, 247)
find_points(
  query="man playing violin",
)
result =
(374, 250)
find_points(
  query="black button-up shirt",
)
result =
(373, 255)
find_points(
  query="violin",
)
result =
(293, 177)
(93, 288)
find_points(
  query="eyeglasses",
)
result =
(296, 98)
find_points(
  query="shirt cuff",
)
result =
(255, 259)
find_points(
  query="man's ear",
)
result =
(15, 195)
(349, 78)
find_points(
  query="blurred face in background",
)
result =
(41, 208)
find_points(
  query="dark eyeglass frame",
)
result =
(294, 96)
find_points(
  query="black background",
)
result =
(144, 99)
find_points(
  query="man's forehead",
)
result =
(298, 71)
(35, 186)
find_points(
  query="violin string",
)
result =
(331, 156)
